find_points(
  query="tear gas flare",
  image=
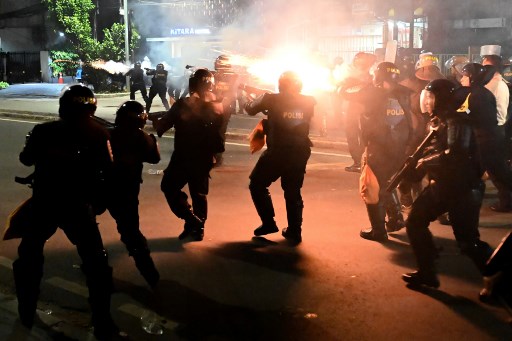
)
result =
(315, 76)
(110, 66)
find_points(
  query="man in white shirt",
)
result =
(499, 88)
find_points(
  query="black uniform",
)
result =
(196, 140)
(454, 167)
(66, 199)
(158, 86)
(286, 156)
(389, 133)
(137, 82)
(226, 86)
(131, 147)
(353, 111)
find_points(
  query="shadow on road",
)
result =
(469, 310)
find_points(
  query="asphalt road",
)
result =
(232, 286)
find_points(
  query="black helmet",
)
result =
(290, 82)
(222, 63)
(159, 66)
(443, 90)
(406, 65)
(477, 73)
(386, 72)
(201, 81)
(137, 65)
(77, 101)
(131, 114)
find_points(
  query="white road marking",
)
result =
(69, 286)
(18, 121)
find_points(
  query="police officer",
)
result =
(137, 82)
(354, 77)
(408, 68)
(454, 66)
(67, 200)
(453, 166)
(288, 150)
(226, 89)
(197, 120)
(389, 132)
(481, 107)
(158, 86)
(131, 146)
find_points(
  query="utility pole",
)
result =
(126, 41)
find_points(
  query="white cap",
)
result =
(489, 50)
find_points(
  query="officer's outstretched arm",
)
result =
(256, 106)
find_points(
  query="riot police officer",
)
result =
(158, 86)
(452, 164)
(197, 120)
(427, 67)
(131, 146)
(454, 66)
(288, 150)
(481, 107)
(226, 88)
(408, 68)
(389, 132)
(68, 200)
(137, 82)
(355, 76)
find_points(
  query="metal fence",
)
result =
(21, 67)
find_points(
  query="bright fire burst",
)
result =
(110, 66)
(315, 76)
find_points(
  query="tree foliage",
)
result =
(65, 62)
(74, 17)
(113, 43)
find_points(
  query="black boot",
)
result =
(355, 168)
(99, 281)
(419, 278)
(263, 203)
(27, 279)
(146, 266)
(194, 227)
(293, 232)
(267, 227)
(393, 209)
(377, 232)
(425, 251)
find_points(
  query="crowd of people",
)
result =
(394, 112)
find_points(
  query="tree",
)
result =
(74, 17)
(113, 43)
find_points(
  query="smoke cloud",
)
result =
(253, 28)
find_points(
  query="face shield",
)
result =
(427, 102)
